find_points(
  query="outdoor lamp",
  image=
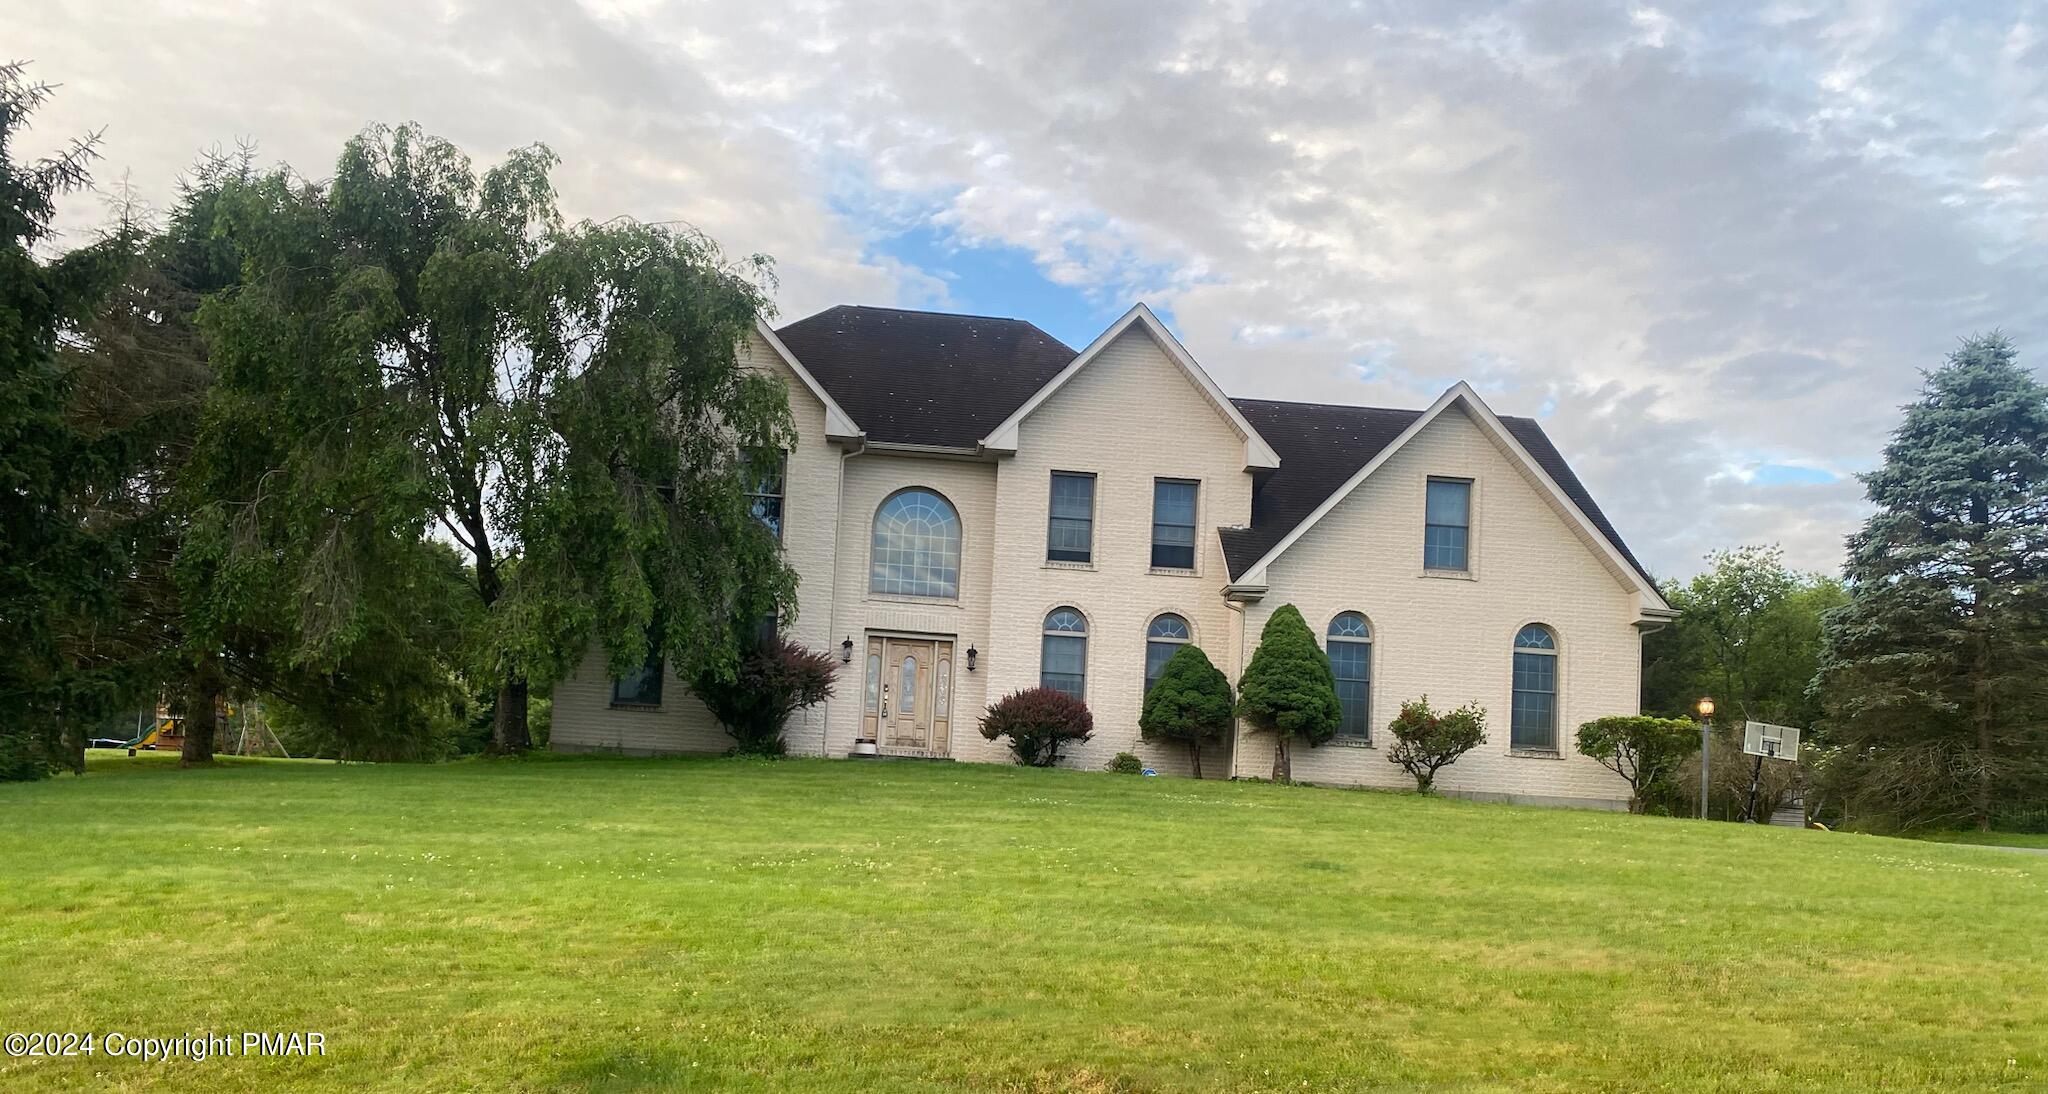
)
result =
(1706, 709)
(846, 651)
(972, 653)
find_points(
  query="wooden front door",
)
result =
(908, 695)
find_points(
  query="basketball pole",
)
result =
(1755, 776)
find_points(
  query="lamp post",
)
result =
(1706, 709)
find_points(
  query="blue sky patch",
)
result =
(994, 279)
(1785, 474)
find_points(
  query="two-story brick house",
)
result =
(973, 508)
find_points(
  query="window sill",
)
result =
(1350, 742)
(644, 707)
(1173, 571)
(1058, 564)
(1536, 753)
(899, 598)
(1449, 575)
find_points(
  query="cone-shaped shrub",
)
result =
(1189, 703)
(1288, 689)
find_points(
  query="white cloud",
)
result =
(1703, 235)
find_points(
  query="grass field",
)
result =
(1994, 839)
(617, 924)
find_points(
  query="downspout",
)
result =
(838, 526)
(1238, 675)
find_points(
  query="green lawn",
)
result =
(615, 924)
(1993, 839)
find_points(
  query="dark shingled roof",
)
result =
(1321, 446)
(915, 377)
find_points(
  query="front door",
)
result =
(909, 695)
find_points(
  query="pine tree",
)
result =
(1189, 703)
(57, 567)
(1288, 689)
(1935, 675)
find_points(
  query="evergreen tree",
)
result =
(1935, 675)
(1189, 703)
(1288, 689)
(142, 376)
(58, 566)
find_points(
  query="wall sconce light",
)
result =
(972, 653)
(846, 651)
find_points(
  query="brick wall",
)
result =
(1452, 637)
(1129, 417)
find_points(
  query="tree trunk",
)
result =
(508, 720)
(74, 748)
(1982, 804)
(1283, 770)
(1195, 758)
(202, 696)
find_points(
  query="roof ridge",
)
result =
(1325, 406)
(927, 311)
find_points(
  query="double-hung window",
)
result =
(1351, 664)
(766, 494)
(1070, 527)
(1533, 725)
(1447, 528)
(642, 686)
(1164, 638)
(1173, 524)
(1063, 653)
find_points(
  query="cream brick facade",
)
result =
(1451, 637)
(1134, 413)
(1129, 418)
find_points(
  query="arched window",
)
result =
(1063, 654)
(916, 549)
(1534, 722)
(1164, 638)
(1351, 662)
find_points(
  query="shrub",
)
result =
(775, 680)
(1189, 703)
(1288, 689)
(1427, 741)
(1126, 763)
(1037, 721)
(1642, 749)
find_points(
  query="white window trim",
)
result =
(1557, 719)
(1152, 519)
(1471, 570)
(1094, 522)
(1372, 653)
(868, 593)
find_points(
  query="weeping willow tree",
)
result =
(418, 348)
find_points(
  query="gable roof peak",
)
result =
(1515, 437)
(1257, 453)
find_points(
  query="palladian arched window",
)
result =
(916, 548)
(1534, 723)
(1164, 638)
(1063, 654)
(1351, 662)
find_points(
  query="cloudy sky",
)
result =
(1710, 245)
